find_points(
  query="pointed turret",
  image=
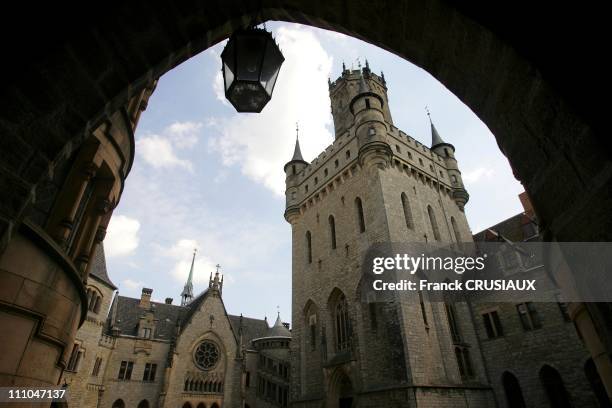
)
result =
(436, 139)
(187, 293)
(447, 152)
(297, 152)
(292, 170)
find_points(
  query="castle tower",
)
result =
(374, 184)
(187, 293)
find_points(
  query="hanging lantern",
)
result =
(251, 63)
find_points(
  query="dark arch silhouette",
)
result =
(512, 389)
(77, 78)
(187, 405)
(118, 404)
(143, 404)
(555, 390)
(201, 405)
(595, 380)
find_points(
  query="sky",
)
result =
(209, 178)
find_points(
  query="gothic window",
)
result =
(206, 355)
(530, 319)
(146, 333)
(398, 148)
(332, 231)
(554, 387)
(492, 324)
(407, 212)
(360, 216)
(342, 324)
(455, 229)
(434, 224)
(94, 300)
(143, 404)
(313, 333)
(308, 247)
(512, 389)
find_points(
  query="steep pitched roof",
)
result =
(98, 267)
(251, 328)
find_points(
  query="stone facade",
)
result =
(373, 184)
(141, 353)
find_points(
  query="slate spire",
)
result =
(187, 293)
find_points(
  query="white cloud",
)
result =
(474, 176)
(184, 134)
(132, 284)
(121, 236)
(262, 143)
(160, 151)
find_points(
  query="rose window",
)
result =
(206, 355)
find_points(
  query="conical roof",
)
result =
(279, 329)
(297, 152)
(435, 137)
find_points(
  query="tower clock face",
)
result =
(206, 355)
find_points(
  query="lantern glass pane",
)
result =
(273, 60)
(228, 76)
(250, 49)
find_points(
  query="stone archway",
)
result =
(89, 69)
(341, 393)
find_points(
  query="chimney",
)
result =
(526, 202)
(145, 298)
(168, 301)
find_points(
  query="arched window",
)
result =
(553, 385)
(310, 316)
(342, 324)
(187, 405)
(332, 231)
(118, 404)
(308, 247)
(201, 405)
(143, 404)
(455, 229)
(407, 212)
(512, 389)
(596, 384)
(360, 216)
(434, 224)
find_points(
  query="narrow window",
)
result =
(96, 368)
(423, 312)
(325, 172)
(492, 324)
(247, 380)
(343, 334)
(554, 387)
(316, 180)
(75, 358)
(348, 154)
(336, 163)
(398, 148)
(452, 322)
(308, 247)
(367, 101)
(455, 229)
(293, 168)
(446, 152)
(530, 319)
(434, 224)
(407, 212)
(360, 217)
(420, 161)
(332, 231)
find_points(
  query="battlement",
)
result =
(355, 75)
